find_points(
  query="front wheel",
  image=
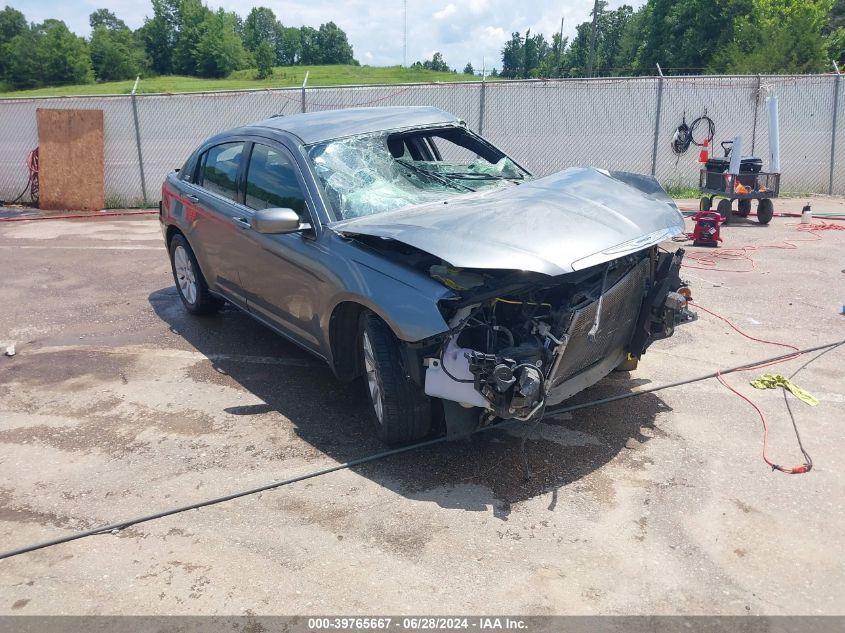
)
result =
(190, 283)
(400, 410)
(705, 203)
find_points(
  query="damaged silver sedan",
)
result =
(406, 250)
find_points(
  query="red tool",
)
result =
(706, 231)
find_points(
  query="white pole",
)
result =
(736, 155)
(774, 135)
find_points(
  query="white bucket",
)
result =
(806, 215)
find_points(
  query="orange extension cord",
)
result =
(794, 470)
(710, 260)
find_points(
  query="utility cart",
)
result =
(750, 184)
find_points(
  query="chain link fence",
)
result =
(616, 123)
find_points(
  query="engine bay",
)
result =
(508, 347)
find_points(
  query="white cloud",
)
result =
(445, 12)
(477, 7)
(465, 31)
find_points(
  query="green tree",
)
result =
(288, 45)
(260, 26)
(513, 56)
(834, 31)
(26, 64)
(836, 46)
(333, 45)
(116, 52)
(552, 64)
(309, 51)
(219, 49)
(575, 58)
(68, 57)
(686, 34)
(104, 17)
(48, 54)
(159, 35)
(436, 63)
(264, 58)
(192, 23)
(835, 18)
(630, 40)
(611, 27)
(468, 69)
(780, 36)
(12, 24)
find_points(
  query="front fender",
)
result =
(413, 315)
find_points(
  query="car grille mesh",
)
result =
(619, 313)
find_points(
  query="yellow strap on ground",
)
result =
(773, 381)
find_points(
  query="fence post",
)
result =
(481, 105)
(304, 82)
(833, 132)
(756, 107)
(657, 121)
(138, 140)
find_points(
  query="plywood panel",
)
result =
(70, 152)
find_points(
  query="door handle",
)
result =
(192, 197)
(242, 222)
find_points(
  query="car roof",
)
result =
(314, 127)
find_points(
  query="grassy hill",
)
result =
(283, 77)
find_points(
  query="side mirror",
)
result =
(275, 221)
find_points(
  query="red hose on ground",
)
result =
(793, 470)
(710, 259)
(80, 216)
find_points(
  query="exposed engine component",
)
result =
(515, 352)
(514, 389)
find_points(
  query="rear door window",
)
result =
(220, 169)
(271, 182)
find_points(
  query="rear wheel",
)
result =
(190, 283)
(743, 207)
(724, 209)
(705, 203)
(765, 211)
(400, 410)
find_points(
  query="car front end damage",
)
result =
(520, 343)
(554, 282)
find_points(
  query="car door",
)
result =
(283, 274)
(218, 232)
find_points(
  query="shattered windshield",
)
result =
(375, 173)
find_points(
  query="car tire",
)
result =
(401, 412)
(190, 283)
(724, 209)
(765, 211)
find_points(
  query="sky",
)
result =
(463, 30)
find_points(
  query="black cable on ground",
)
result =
(807, 459)
(396, 451)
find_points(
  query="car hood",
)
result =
(568, 221)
